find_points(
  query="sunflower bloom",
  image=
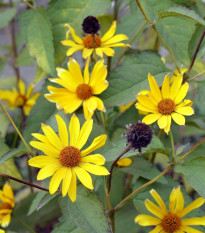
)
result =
(171, 221)
(6, 205)
(166, 103)
(20, 98)
(101, 45)
(64, 159)
(79, 89)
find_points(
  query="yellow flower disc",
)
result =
(70, 156)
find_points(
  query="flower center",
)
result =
(69, 156)
(171, 223)
(166, 106)
(88, 41)
(20, 100)
(5, 206)
(84, 91)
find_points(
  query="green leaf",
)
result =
(182, 12)
(194, 171)
(12, 153)
(36, 29)
(116, 148)
(6, 16)
(131, 78)
(82, 215)
(24, 58)
(71, 12)
(40, 74)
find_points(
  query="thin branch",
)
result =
(23, 182)
(28, 4)
(194, 57)
(112, 167)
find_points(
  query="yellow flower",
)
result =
(124, 162)
(124, 108)
(2, 231)
(64, 159)
(165, 103)
(79, 90)
(171, 221)
(102, 45)
(6, 205)
(19, 98)
(176, 73)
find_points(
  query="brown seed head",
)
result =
(88, 41)
(70, 156)
(84, 91)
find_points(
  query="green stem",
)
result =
(103, 119)
(196, 76)
(28, 4)
(20, 135)
(119, 205)
(23, 224)
(159, 36)
(129, 42)
(172, 143)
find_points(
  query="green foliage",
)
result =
(82, 215)
(10, 154)
(6, 16)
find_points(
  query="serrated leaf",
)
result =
(71, 12)
(182, 12)
(131, 78)
(6, 16)
(12, 153)
(92, 220)
(194, 171)
(116, 148)
(36, 28)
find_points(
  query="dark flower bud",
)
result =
(138, 135)
(90, 25)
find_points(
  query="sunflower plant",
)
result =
(102, 117)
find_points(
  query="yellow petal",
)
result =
(30, 90)
(63, 131)
(158, 229)
(86, 72)
(7, 195)
(190, 230)
(194, 205)
(75, 37)
(100, 105)
(52, 136)
(154, 88)
(42, 138)
(149, 119)
(110, 33)
(21, 87)
(175, 87)
(87, 52)
(186, 111)
(75, 70)
(116, 45)
(97, 143)
(89, 106)
(165, 87)
(146, 101)
(73, 186)
(74, 49)
(124, 162)
(141, 107)
(167, 128)
(84, 177)
(154, 209)
(108, 52)
(84, 133)
(94, 169)
(173, 200)
(146, 220)
(48, 170)
(56, 179)
(99, 87)
(178, 118)
(5, 220)
(41, 161)
(194, 221)
(162, 122)
(74, 130)
(51, 151)
(159, 200)
(182, 93)
(97, 159)
(99, 52)
(66, 181)
(180, 201)
(68, 43)
(115, 39)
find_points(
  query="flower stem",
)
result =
(23, 223)
(112, 167)
(193, 148)
(23, 182)
(20, 135)
(159, 36)
(103, 119)
(172, 143)
(194, 56)
(28, 4)
(196, 76)
(129, 42)
(119, 205)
